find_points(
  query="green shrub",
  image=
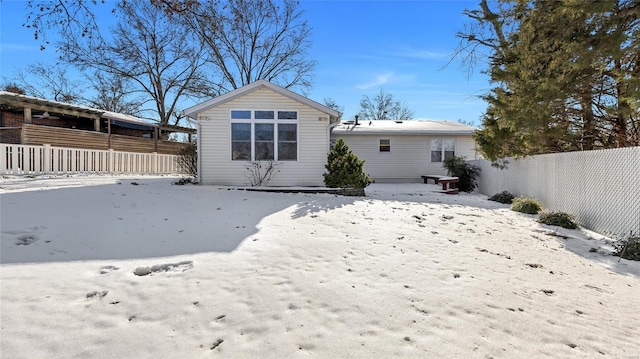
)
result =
(628, 248)
(525, 205)
(344, 168)
(503, 197)
(465, 171)
(561, 219)
(188, 159)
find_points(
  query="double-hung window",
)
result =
(442, 149)
(385, 145)
(264, 135)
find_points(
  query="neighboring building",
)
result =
(402, 151)
(30, 120)
(261, 122)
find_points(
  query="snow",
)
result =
(133, 266)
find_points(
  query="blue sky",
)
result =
(360, 47)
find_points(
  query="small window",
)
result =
(442, 149)
(241, 115)
(264, 115)
(385, 145)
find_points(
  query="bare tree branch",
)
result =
(249, 40)
(152, 50)
(384, 107)
(49, 82)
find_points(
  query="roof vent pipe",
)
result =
(356, 117)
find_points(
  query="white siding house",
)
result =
(402, 151)
(260, 122)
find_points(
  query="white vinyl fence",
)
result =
(600, 188)
(35, 160)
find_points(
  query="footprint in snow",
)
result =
(97, 294)
(108, 269)
(26, 239)
(168, 267)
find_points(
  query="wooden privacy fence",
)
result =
(46, 159)
(65, 137)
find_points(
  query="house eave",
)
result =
(350, 132)
(192, 112)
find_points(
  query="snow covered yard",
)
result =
(135, 267)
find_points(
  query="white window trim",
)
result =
(253, 121)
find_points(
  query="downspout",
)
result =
(199, 165)
(333, 122)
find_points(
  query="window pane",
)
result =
(287, 132)
(449, 154)
(449, 145)
(449, 148)
(436, 144)
(436, 156)
(264, 132)
(264, 151)
(241, 132)
(241, 151)
(264, 115)
(241, 141)
(240, 115)
(287, 142)
(287, 151)
(264, 141)
(287, 115)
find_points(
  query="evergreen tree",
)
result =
(344, 168)
(565, 74)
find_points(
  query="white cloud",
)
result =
(378, 80)
(422, 54)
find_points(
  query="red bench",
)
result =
(435, 178)
(448, 183)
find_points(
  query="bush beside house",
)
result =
(467, 173)
(344, 169)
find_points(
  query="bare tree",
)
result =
(384, 107)
(49, 82)
(114, 93)
(329, 102)
(77, 17)
(151, 49)
(250, 40)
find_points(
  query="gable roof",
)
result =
(411, 127)
(216, 101)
